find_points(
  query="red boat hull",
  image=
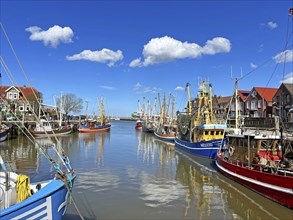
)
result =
(275, 187)
(93, 130)
(138, 127)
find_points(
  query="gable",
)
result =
(22, 90)
(265, 93)
(11, 88)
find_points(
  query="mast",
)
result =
(188, 101)
(61, 106)
(236, 104)
(236, 96)
(164, 113)
(102, 111)
(172, 118)
(86, 108)
(139, 109)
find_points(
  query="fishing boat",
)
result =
(166, 128)
(138, 125)
(138, 116)
(261, 162)
(92, 125)
(45, 128)
(20, 199)
(260, 159)
(199, 133)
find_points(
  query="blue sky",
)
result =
(126, 50)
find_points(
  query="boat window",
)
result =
(217, 132)
(212, 132)
(253, 143)
(206, 132)
(245, 142)
(240, 142)
(263, 145)
(232, 141)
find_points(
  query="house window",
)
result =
(278, 100)
(256, 114)
(21, 108)
(287, 99)
(15, 96)
(259, 103)
(233, 106)
(253, 104)
(10, 95)
(27, 108)
(248, 104)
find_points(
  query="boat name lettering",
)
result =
(206, 145)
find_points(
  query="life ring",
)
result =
(231, 151)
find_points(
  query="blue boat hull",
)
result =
(3, 135)
(49, 202)
(169, 139)
(207, 149)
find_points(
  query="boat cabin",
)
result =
(208, 132)
(259, 152)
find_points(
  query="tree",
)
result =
(69, 103)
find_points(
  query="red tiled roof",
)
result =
(26, 91)
(266, 93)
(243, 94)
(225, 99)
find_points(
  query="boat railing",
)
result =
(2, 198)
(5, 186)
(271, 166)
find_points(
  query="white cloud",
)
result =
(137, 86)
(288, 78)
(284, 57)
(145, 89)
(166, 49)
(217, 45)
(51, 37)
(253, 66)
(136, 63)
(103, 56)
(260, 48)
(108, 87)
(179, 88)
(272, 25)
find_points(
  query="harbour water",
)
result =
(128, 174)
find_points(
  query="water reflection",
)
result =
(203, 197)
(210, 194)
(160, 191)
(150, 147)
(90, 142)
(97, 180)
(134, 169)
(20, 155)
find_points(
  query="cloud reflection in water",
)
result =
(159, 192)
(97, 181)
